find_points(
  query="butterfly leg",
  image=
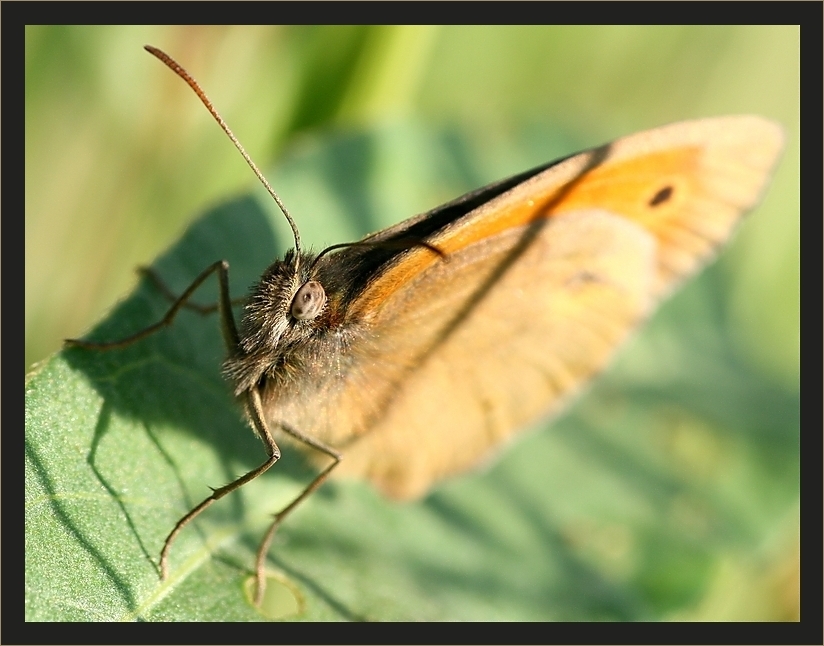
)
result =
(253, 404)
(228, 326)
(317, 482)
(161, 286)
(255, 411)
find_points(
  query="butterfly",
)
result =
(417, 352)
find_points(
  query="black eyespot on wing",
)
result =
(661, 196)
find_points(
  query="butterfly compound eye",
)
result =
(308, 301)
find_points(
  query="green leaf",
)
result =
(681, 460)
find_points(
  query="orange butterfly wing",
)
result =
(541, 284)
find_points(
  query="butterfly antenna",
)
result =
(182, 73)
(403, 243)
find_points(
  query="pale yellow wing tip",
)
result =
(744, 150)
(766, 129)
(762, 133)
(745, 129)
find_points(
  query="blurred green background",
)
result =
(121, 158)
